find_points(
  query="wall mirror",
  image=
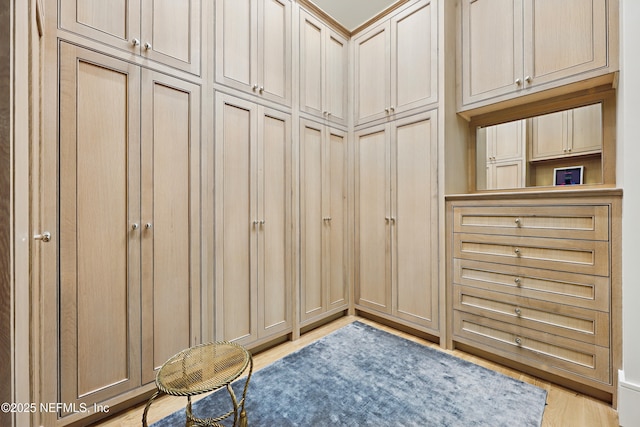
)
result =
(563, 148)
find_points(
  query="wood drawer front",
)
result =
(578, 290)
(580, 324)
(576, 256)
(566, 222)
(534, 348)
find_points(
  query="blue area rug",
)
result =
(362, 376)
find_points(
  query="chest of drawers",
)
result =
(536, 281)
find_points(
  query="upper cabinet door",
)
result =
(372, 73)
(491, 48)
(312, 59)
(564, 38)
(171, 33)
(336, 78)
(116, 22)
(166, 31)
(414, 53)
(253, 47)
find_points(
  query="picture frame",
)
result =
(572, 175)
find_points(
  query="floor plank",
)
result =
(565, 408)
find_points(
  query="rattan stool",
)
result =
(201, 369)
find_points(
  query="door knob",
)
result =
(45, 237)
(147, 46)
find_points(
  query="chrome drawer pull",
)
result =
(517, 251)
(517, 280)
(518, 311)
(519, 341)
(518, 222)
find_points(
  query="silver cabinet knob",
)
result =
(517, 280)
(261, 222)
(147, 45)
(254, 87)
(261, 89)
(392, 108)
(135, 226)
(518, 222)
(255, 222)
(528, 79)
(135, 42)
(517, 251)
(518, 311)
(45, 237)
(386, 110)
(148, 226)
(519, 341)
(518, 82)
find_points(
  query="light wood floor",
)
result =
(564, 408)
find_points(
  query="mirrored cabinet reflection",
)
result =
(530, 152)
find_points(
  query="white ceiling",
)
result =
(352, 13)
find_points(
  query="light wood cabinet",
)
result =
(395, 64)
(323, 70)
(129, 249)
(323, 221)
(253, 47)
(567, 133)
(505, 160)
(396, 216)
(510, 48)
(166, 31)
(533, 281)
(252, 223)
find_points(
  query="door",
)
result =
(336, 78)
(372, 74)
(274, 50)
(414, 53)
(414, 220)
(99, 233)
(506, 174)
(507, 140)
(236, 219)
(564, 38)
(492, 48)
(373, 218)
(312, 59)
(274, 219)
(170, 220)
(549, 135)
(586, 129)
(170, 33)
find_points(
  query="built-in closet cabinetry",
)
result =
(323, 70)
(396, 231)
(567, 133)
(252, 226)
(506, 148)
(512, 48)
(167, 32)
(396, 65)
(253, 47)
(536, 281)
(129, 223)
(324, 284)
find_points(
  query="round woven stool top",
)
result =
(203, 368)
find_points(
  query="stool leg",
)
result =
(146, 408)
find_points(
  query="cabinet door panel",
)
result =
(491, 48)
(373, 231)
(274, 281)
(311, 62)
(586, 129)
(170, 160)
(337, 185)
(99, 252)
(413, 63)
(372, 68)
(236, 209)
(564, 38)
(236, 49)
(336, 77)
(274, 49)
(549, 135)
(311, 223)
(415, 250)
(115, 22)
(507, 174)
(172, 28)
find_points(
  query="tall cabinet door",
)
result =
(274, 50)
(274, 219)
(336, 218)
(236, 224)
(414, 53)
(373, 258)
(372, 73)
(312, 223)
(170, 32)
(312, 59)
(492, 48)
(99, 251)
(336, 78)
(170, 220)
(414, 228)
(564, 38)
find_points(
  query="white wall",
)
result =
(629, 179)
